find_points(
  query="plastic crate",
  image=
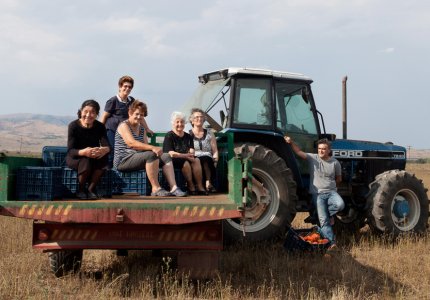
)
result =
(130, 182)
(54, 156)
(70, 183)
(9, 166)
(38, 183)
(295, 243)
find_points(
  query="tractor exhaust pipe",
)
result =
(344, 129)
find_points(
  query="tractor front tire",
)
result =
(266, 217)
(65, 261)
(399, 203)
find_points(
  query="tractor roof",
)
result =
(229, 72)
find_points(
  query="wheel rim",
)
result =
(405, 210)
(261, 212)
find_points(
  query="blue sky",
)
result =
(55, 54)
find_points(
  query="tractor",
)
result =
(260, 107)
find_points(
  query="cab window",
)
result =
(253, 104)
(294, 113)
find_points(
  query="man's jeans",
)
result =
(327, 205)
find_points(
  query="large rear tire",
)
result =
(65, 261)
(400, 203)
(267, 216)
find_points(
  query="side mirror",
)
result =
(305, 94)
(222, 116)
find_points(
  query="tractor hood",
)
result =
(367, 150)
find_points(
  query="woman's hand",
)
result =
(157, 150)
(288, 139)
(188, 156)
(87, 152)
(94, 152)
(99, 152)
(149, 131)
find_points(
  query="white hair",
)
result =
(177, 115)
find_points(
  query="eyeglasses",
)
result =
(126, 86)
(198, 117)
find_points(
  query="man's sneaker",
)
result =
(178, 193)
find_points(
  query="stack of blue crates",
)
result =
(43, 183)
(39, 183)
(70, 183)
(54, 156)
(56, 180)
(138, 182)
(130, 182)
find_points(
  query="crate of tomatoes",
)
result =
(309, 240)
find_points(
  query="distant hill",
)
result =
(30, 132)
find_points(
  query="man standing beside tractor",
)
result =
(325, 173)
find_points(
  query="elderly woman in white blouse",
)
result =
(205, 147)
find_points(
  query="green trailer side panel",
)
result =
(3, 182)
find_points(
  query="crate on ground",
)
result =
(70, 183)
(130, 182)
(38, 183)
(54, 156)
(294, 241)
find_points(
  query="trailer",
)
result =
(191, 226)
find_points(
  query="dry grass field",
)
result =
(367, 267)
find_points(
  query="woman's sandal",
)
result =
(161, 193)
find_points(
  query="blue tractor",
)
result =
(260, 107)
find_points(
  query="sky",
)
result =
(56, 54)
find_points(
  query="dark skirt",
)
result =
(210, 162)
(85, 164)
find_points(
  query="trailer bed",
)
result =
(127, 209)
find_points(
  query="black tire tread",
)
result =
(381, 192)
(65, 261)
(267, 159)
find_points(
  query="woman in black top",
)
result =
(87, 149)
(180, 147)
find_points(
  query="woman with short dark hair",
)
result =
(116, 111)
(87, 149)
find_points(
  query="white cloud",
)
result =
(387, 50)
